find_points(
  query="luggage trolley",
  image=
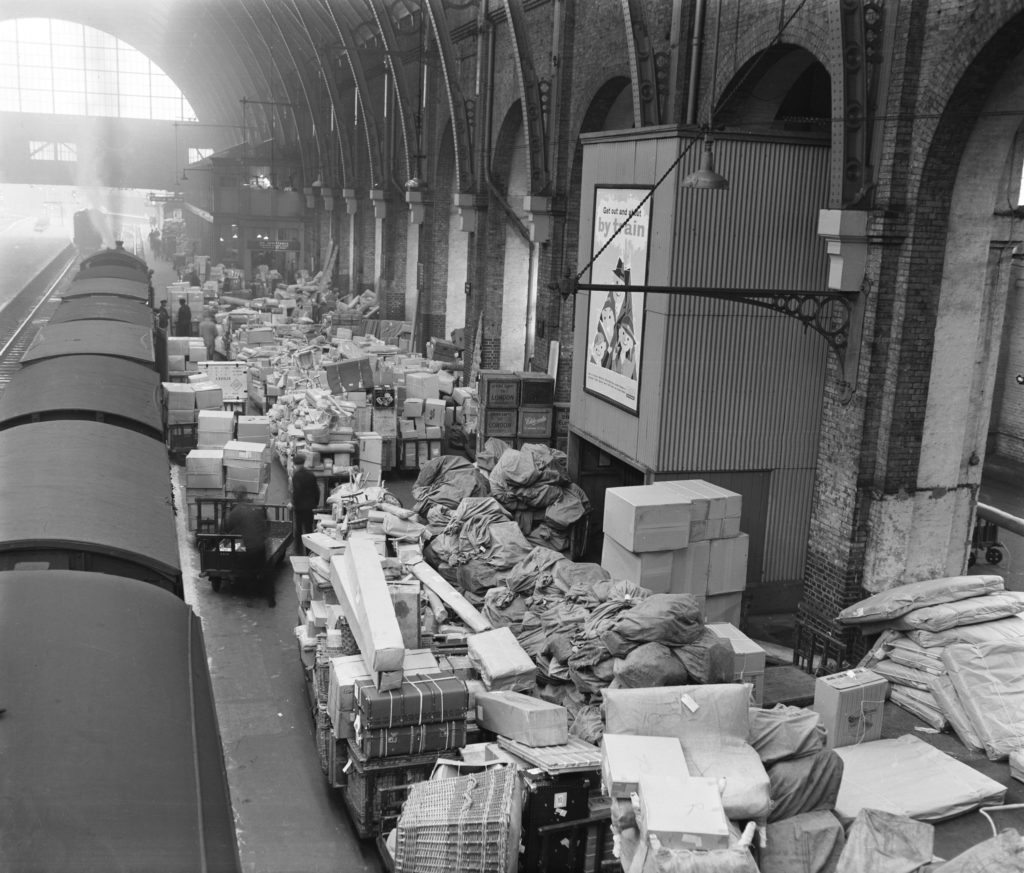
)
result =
(221, 555)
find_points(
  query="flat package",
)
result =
(850, 705)
(626, 757)
(420, 699)
(902, 599)
(989, 683)
(529, 720)
(501, 660)
(907, 776)
(682, 813)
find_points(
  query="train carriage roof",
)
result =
(112, 338)
(115, 757)
(136, 290)
(110, 271)
(120, 390)
(118, 257)
(105, 307)
(91, 486)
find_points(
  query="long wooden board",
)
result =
(460, 606)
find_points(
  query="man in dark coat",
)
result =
(250, 522)
(163, 317)
(305, 499)
(183, 323)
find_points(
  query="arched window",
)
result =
(58, 67)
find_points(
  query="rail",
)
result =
(1004, 520)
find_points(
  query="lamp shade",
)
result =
(706, 177)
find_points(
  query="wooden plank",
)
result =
(460, 606)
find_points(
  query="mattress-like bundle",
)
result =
(989, 682)
(894, 602)
(970, 610)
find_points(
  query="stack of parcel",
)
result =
(534, 697)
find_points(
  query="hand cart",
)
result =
(221, 555)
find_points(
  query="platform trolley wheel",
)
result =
(994, 553)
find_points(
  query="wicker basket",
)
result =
(324, 736)
(464, 823)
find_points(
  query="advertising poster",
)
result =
(616, 318)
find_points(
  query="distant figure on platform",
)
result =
(208, 331)
(183, 323)
(250, 522)
(193, 278)
(163, 317)
(305, 498)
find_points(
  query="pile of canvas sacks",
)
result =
(952, 650)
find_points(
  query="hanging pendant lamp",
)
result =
(706, 177)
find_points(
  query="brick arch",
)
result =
(810, 32)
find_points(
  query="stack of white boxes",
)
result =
(195, 353)
(371, 456)
(177, 355)
(246, 465)
(216, 428)
(179, 403)
(679, 537)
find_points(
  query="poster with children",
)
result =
(616, 317)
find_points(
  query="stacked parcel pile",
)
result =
(679, 537)
(951, 648)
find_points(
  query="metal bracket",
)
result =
(827, 313)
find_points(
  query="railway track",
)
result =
(33, 308)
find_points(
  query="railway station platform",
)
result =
(287, 818)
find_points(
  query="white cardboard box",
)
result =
(691, 568)
(727, 572)
(750, 659)
(647, 518)
(651, 569)
(683, 814)
(850, 705)
(625, 758)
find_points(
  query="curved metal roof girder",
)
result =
(529, 89)
(317, 144)
(642, 70)
(404, 96)
(465, 180)
(297, 35)
(371, 126)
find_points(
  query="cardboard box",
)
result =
(208, 395)
(236, 450)
(501, 661)
(727, 571)
(425, 385)
(749, 660)
(176, 363)
(651, 569)
(413, 407)
(647, 518)
(683, 814)
(433, 412)
(253, 428)
(850, 705)
(216, 421)
(528, 720)
(691, 568)
(370, 447)
(179, 396)
(625, 758)
(323, 545)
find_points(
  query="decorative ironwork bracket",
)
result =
(827, 313)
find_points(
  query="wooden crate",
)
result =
(375, 788)
(498, 389)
